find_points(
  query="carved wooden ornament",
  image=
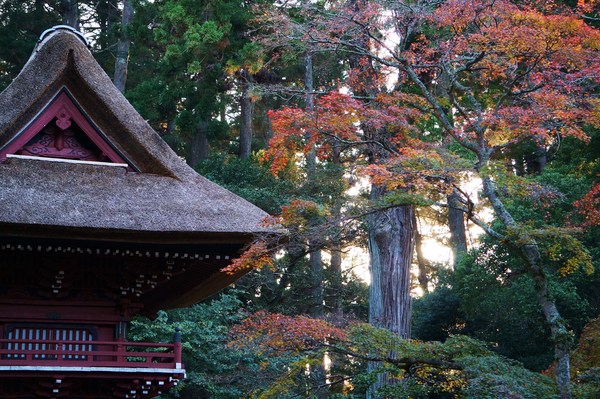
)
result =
(62, 131)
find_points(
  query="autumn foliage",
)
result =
(444, 91)
(589, 207)
(509, 73)
(264, 332)
(257, 256)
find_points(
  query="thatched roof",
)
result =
(165, 198)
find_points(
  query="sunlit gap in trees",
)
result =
(436, 234)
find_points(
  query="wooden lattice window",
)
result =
(42, 339)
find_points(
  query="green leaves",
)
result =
(211, 366)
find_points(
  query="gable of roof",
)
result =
(63, 131)
(61, 61)
(166, 196)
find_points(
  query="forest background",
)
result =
(375, 126)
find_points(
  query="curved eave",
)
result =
(96, 199)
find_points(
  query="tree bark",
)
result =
(315, 258)
(122, 60)
(200, 146)
(422, 262)
(316, 284)
(391, 236)
(70, 13)
(335, 265)
(245, 117)
(456, 223)
(336, 282)
(391, 243)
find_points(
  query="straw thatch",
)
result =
(59, 198)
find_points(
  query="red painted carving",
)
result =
(63, 119)
(56, 143)
(62, 131)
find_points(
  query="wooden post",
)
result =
(61, 350)
(177, 348)
(121, 339)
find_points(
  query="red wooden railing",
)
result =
(28, 352)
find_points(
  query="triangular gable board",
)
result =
(62, 131)
(62, 63)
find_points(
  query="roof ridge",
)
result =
(66, 28)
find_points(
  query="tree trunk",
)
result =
(70, 13)
(530, 253)
(456, 223)
(315, 258)
(335, 265)
(390, 233)
(316, 284)
(336, 286)
(200, 145)
(391, 243)
(536, 161)
(122, 59)
(316, 262)
(106, 12)
(561, 336)
(422, 262)
(245, 117)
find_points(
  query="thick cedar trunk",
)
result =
(122, 59)
(391, 244)
(70, 13)
(335, 263)
(336, 281)
(318, 373)
(200, 145)
(316, 284)
(390, 233)
(316, 263)
(245, 117)
(456, 223)
(530, 253)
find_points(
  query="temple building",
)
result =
(99, 221)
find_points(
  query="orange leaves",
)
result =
(342, 121)
(296, 131)
(256, 256)
(517, 43)
(338, 115)
(588, 6)
(298, 213)
(276, 332)
(422, 169)
(534, 74)
(288, 126)
(589, 207)
(540, 115)
(300, 217)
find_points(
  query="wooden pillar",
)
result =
(177, 348)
